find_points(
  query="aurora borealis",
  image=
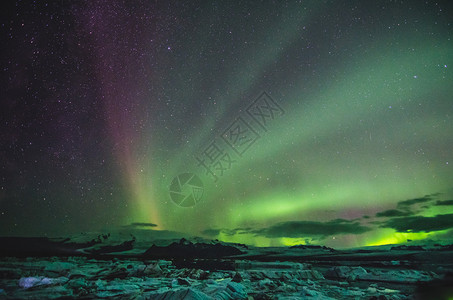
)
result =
(105, 102)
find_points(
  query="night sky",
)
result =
(290, 122)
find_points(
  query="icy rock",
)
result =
(216, 275)
(118, 288)
(141, 268)
(152, 270)
(211, 282)
(225, 290)
(28, 282)
(256, 275)
(212, 287)
(77, 283)
(235, 291)
(267, 284)
(77, 274)
(389, 291)
(338, 272)
(174, 283)
(310, 274)
(59, 268)
(183, 281)
(287, 277)
(181, 294)
(308, 293)
(357, 273)
(398, 276)
(116, 272)
(261, 296)
(198, 274)
(165, 263)
(297, 282)
(271, 274)
(345, 272)
(181, 272)
(151, 283)
(49, 292)
(100, 283)
(237, 277)
(353, 293)
(285, 288)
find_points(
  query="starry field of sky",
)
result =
(297, 122)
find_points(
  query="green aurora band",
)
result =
(367, 124)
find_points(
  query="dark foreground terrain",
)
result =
(41, 268)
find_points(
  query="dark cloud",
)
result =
(407, 203)
(230, 232)
(142, 225)
(211, 232)
(394, 213)
(420, 223)
(444, 203)
(226, 231)
(410, 207)
(297, 229)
